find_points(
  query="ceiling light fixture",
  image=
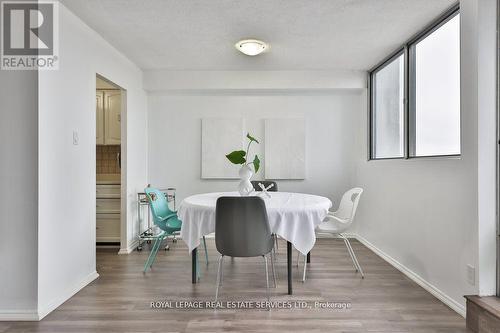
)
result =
(251, 47)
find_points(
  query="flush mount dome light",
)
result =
(251, 47)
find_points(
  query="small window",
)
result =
(435, 88)
(388, 110)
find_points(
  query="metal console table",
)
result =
(148, 232)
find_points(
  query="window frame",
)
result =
(371, 108)
(408, 49)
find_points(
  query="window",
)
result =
(388, 109)
(426, 75)
(435, 108)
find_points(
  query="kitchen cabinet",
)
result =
(108, 228)
(108, 207)
(108, 191)
(99, 112)
(112, 117)
(108, 117)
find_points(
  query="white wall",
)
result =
(175, 137)
(442, 220)
(66, 231)
(244, 81)
(487, 143)
(19, 199)
(424, 214)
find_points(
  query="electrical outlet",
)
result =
(471, 275)
(76, 139)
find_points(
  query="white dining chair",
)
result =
(338, 222)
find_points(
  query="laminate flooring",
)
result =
(120, 299)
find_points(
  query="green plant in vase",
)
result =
(240, 157)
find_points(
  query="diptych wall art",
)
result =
(285, 148)
(218, 137)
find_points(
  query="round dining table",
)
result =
(292, 216)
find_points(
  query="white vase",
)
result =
(245, 186)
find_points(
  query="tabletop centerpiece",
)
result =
(240, 157)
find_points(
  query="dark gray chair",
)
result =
(242, 230)
(266, 183)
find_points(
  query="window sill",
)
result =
(419, 158)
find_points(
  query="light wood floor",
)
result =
(119, 301)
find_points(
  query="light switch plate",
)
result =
(471, 275)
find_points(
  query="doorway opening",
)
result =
(109, 97)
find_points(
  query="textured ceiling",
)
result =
(303, 34)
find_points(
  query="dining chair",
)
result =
(338, 222)
(242, 230)
(166, 219)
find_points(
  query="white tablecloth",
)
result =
(292, 216)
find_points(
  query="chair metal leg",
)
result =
(222, 274)
(350, 253)
(298, 258)
(356, 260)
(206, 251)
(305, 267)
(267, 280)
(273, 259)
(154, 251)
(349, 250)
(353, 256)
(218, 283)
(146, 264)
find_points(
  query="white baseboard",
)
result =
(454, 305)
(65, 295)
(131, 247)
(18, 315)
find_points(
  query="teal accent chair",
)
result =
(166, 219)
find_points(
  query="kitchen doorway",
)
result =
(109, 212)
